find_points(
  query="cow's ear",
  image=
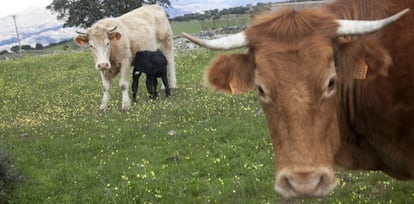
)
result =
(362, 58)
(231, 73)
(81, 40)
(114, 35)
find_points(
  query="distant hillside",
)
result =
(35, 25)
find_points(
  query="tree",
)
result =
(27, 47)
(84, 13)
(38, 46)
(4, 52)
(15, 48)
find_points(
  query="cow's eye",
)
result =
(261, 91)
(107, 44)
(263, 95)
(91, 46)
(330, 86)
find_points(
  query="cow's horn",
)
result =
(359, 27)
(226, 43)
(113, 29)
(81, 33)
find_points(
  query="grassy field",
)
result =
(193, 147)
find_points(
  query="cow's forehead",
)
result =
(307, 64)
(304, 32)
(98, 33)
(308, 55)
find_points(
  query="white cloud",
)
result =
(35, 25)
(15, 6)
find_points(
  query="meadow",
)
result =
(196, 146)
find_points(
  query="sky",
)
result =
(15, 6)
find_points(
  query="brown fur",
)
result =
(292, 53)
(226, 77)
(376, 112)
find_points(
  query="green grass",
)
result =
(193, 147)
(69, 45)
(187, 26)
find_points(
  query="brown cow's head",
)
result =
(291, 62)
(99, 40)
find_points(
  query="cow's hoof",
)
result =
(102, 108)
(126, 107)
(126, 104)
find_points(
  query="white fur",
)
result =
(105, 98)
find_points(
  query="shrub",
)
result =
(9, 176)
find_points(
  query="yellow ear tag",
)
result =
(361, 71)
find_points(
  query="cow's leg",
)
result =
(105, 98)
(167, 50)
(155, 84)
(171, 70)
(150, 86)
(123, 84)
(135, 83)
(165, 82)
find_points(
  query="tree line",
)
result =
(213, 14)
(38, 46)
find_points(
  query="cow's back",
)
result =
(147, 14)
(147, 26)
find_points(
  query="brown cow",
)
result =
(334, 91)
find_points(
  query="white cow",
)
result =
(114, 42)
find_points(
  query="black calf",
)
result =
(153, 64)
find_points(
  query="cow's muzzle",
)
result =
(315, 182)
(103, 66)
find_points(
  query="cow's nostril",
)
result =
(103, 65)
(322, 178)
